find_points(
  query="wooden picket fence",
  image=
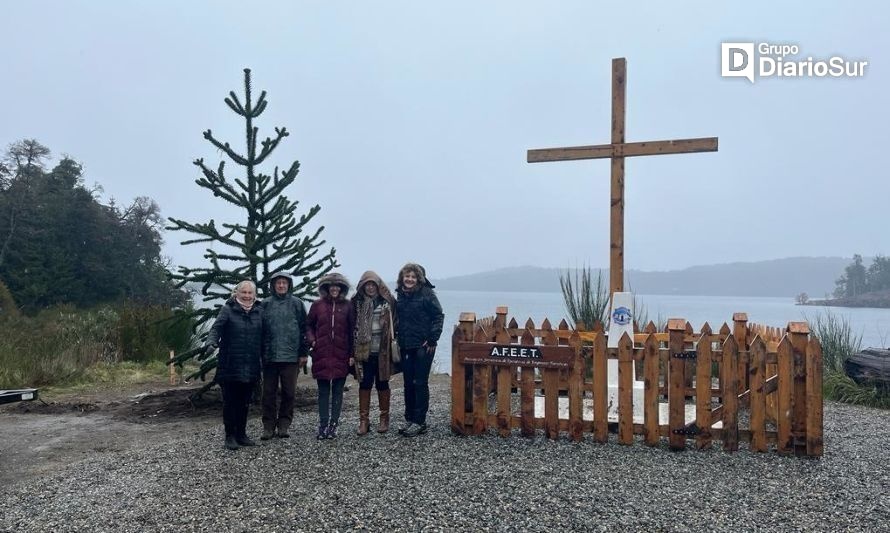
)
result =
(748, 383)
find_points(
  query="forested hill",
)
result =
(779, 277)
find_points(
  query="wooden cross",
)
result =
(617, 151)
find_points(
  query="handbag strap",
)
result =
(392, 334)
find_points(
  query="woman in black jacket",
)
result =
(238, 332)
(419, 328)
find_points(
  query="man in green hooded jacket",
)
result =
(285, 351)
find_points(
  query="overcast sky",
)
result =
(411, 121)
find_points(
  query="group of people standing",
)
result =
(276, 338)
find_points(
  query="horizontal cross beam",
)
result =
(603, 151)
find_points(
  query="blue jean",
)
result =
(330, 400)
(416, 366)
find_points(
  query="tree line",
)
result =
(858, 279)
(60, 243)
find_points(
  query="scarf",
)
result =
(363, 314)
(245, 306)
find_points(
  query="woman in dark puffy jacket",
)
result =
(330, 328)
(419, 328)
(238, 333)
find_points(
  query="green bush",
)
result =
(586, 301)
(62, 345)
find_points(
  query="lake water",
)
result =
(872, 324)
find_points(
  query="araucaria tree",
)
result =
(271, 237)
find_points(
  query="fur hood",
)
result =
(382, 289)
(334, 278)
(419, 271)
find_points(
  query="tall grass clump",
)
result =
(839, 342)
(586, 300)
(65, 345)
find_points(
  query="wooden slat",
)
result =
(676, 386)
(703, 391)
(758, 397)
(620, 149)
(551, 402)
(576, 399)
(625, 390)
(527, 401)
(784, 396)
(740, 332)
(458, 385)
(481, 386)
(650, 394)
(814, 398)
(504, 397)
(799, 341)
(730, 385)
(600, 391)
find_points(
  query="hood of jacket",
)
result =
(382, 289)
(419, 272)
(285, 275)
(334, 278)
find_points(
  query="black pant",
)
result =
(236, 402)
(330, 401)
(416, 365)
(273, 414)
(370, 371)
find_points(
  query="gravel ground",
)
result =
(442, 482)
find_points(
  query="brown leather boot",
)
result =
(383, 398)
(364, 407)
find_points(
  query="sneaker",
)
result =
(423, 428)
(412, 430)
(322, 432)
(231, 443)
(404, 427)
(267, 434)
(332, 431)
(283, 434)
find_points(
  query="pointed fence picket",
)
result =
(771, 376)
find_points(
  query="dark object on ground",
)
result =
(18, 395)
(870, 366)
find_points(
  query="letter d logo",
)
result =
(737, 60)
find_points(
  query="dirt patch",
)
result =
(57, 429)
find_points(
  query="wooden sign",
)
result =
(561, 357)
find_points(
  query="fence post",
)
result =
(757, 369)
(651, 373)
(814, 398)
(740, 332)
(703, 388)
(799, 332)
(625, 390)
(576, 386)
(785, 393)
(467, 322)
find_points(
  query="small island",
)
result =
(858, 286)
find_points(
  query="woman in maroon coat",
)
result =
(330, 330)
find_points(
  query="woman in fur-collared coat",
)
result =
(330, 327)
(374, 308)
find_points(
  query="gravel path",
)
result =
(443, 482)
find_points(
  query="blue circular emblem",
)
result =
(621, 316)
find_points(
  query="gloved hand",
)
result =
(210, 348)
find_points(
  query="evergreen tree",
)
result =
(270, 237)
